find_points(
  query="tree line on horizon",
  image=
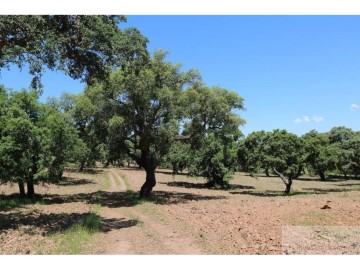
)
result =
(137, 106)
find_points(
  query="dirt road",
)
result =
(184, 217)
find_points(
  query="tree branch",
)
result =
(283, 178)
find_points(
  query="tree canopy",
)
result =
(84, 47)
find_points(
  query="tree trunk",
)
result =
(150, 182)
(288, 186)
(267, 172)
(287, 182)
(21, 188)
(30, 188)
(175, 169)
(322, 175)
(299, 172)
(81, 167)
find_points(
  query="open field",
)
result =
(182, 217)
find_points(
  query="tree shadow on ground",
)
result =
(329, 190)
(171, 173)
(127, 199)
(327, 180)
(111, 224)
(332, 178)
(306, 191)
(204, 186)
(350, 185)
(269, 193)
(55, 222)
(166, 197)
(9, 202)
(84, 171)
(107, 199)
(70, 181)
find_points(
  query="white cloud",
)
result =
(298, 120)
(317, 118)
(307, 119)
(354, 107)
(302, 119)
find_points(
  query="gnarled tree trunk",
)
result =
(30, 188)
(21, 188)
(288, 182)
(288, 186)
(150, 182)
(322, 175)
(81, 166)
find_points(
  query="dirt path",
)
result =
(184, 217)
(152, 232)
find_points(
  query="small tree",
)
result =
(213, 127)
(178, 156)
(35, 143)
(281, 151)
(216, 160)
(251, 154)
(320, 155)
(21, 142)
(344, 142)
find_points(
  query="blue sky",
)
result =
(294, 72)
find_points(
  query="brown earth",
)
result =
(184, 217)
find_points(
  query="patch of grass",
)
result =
(136, 220)
(311, 218)
(117, 180)
(126, 181)
(106, 183)
(148, 208)
(73, 240)
(95, 208)
(8, 202)
(132, 198)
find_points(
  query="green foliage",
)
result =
(251, 152)
(36, 141)
(320, 155)
(82, 46)
(279, 151)
(285, 152)
(214, 132)
(139, 107)
(215, 160)
(345, 143)
(178, 156)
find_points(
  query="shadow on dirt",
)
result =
(329, 190)
(84, 171)
(204, 186)
(171, 173)
(53, 223)
(70, 181)
(111, 224)
(104, 198)
(166, 197)
(307, 191)
(269, 193)
(127, 199)
(349, 185)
